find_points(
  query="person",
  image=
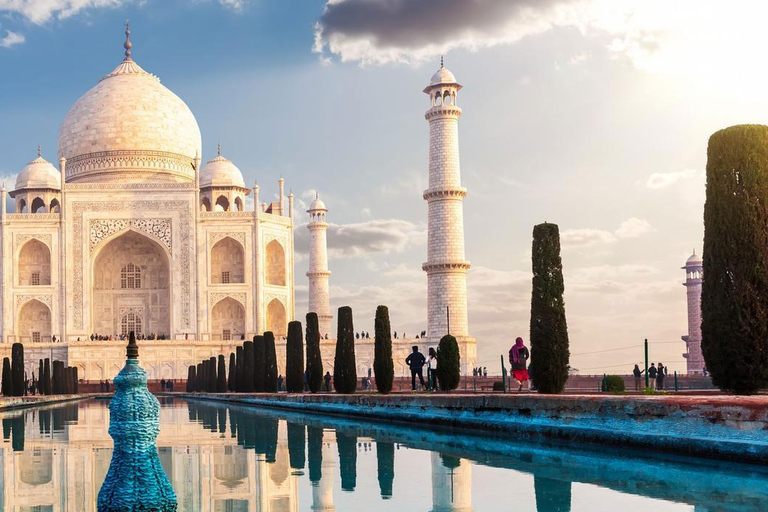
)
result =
(660, 377)
(518, 357)
(395, 334)
(652, 373)
(638, 377)
(474, 372)
(170, 386)
(485, 371)
(327, 379)
(101, 386)
(162, 384)
(415, 362)
(306, 380)
(280, 382)
(432, 369)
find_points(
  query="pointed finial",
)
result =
(441, 61)
(127, 45)
(218, 148)
(39, 150)
(132, 350)
(317, 194)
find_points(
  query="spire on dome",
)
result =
(39, 151)
(127, 45)
(441, 62)
(218, 148)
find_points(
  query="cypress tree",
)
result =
(383, 366)
(40, 386)
(347, 446)
(734, 294)
(56, 378)
(199, 382)
(294, 359)
(248, 367)
(75, 381)
(270, 363)
(17, 369)
(259, 363)
(344, 370)
(7, 384)
(212, 375)
(314, 357)
(385, 461)
(448, 363)
(191, 374)
(296, 445)
(315, 452)
(549, 330)
(231, 376)
(239, 367)
(221, 376)
(48, 382)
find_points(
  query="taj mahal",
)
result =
(134, 232)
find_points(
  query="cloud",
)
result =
(630, 228)
(660, 180)
(42, 11)
(373, 236)
(11, 39)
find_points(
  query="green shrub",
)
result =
(270, 363)
(613, 384)
(734, 296)
(549, 330)
(344, 368)
(294, 359)
(383, 366)
(314, 357)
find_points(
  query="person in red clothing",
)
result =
(518, 357)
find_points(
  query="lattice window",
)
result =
(35, 337)
(225, 277)
(35, 279)
(131, 322)
(226, 335)
(130, 277)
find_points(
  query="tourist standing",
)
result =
(327, 379)
(638, 374)
(415, 362)
(162, 385)
(432, 369)
(662, 371)
(280, 382)
(518, 357)
(652, 371)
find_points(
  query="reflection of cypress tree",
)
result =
(552, 495)
(239, 369)
(17, 433)
(192, 408)
(191, 372)
(259, 363)
(449, 461)
(385, 458)
(248, 367)
(221, 376)
(270, 363)
(271, 426)
(7, 383)
(315, 453)
(6, 428)
(347, 460)
(231, 376)
(44, 419)
(222, 414)
(296, 445)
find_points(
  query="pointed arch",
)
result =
(205, 205)
(227, 320)
(33, 264)
(38, 205)
(222, 204)
(34, 322)
(55, 206)
(275, 267)
(21, 206)
(227, 261)
(276, 319)
(238, 204)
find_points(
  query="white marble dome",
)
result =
(443, 76)
(129, 124)
(694, 259)
(317, 204)
(221, 172)
(39, 174)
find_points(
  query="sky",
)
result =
(590, 114)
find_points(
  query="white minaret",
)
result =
(446, 265)
(693, 274)
(319, 296)
(451, 484)
(322, 491)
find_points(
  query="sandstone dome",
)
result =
(221, 172)
(39, 174)
(129, 127)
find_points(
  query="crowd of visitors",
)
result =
(124, 337)
(656, 376)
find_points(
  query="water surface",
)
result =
(235, 459)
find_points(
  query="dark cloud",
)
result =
(374, 236)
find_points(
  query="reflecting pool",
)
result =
(235, 459)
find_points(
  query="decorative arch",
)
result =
(205, 204)
(227, 262)
(55, 206)
(21, 206)
(222, 204)
(34, 322)
(36, 466)
(276, 318)
(38, 205)
(230, 465)
(131, 322)
(227, 319)
(275, 271)
(239, 204)
(33, 264)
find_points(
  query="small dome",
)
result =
(221, 172)
(443, 76)
(694, 259)
(39, 173)
(317, 204)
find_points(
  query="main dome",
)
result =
(129, 127)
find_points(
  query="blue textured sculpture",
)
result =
(136, 480)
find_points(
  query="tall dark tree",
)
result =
(294, 359)
(552, 495)
(296, 445)
(212, 375)
(383, 366)
(344, 367)
(200, 381)
(191, 374)
(314, 357)
(248, 367)
(734, 294)
(315, 453)
(385, 460)
(259, 363)
(270, 363)
(7, 383)
(239, 369)
(347, 445)
(448, 363)
(221, 376)
(231, 376)
(17, 369)
(40, 385)
(75, 381)
(549, 330)
(47, 380)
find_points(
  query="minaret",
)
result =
(693, 274)
(322, 491)
(451, 484)
(446, 265)
(319, 296)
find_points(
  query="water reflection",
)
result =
(231, 459)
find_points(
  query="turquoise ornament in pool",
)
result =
(135, 480)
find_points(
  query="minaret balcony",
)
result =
(442, 193)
